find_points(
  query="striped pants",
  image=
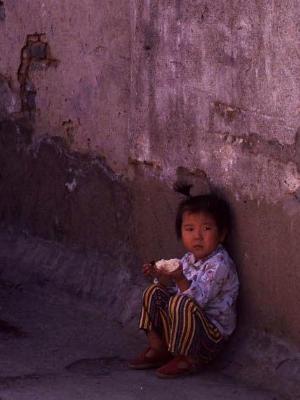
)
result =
(181, 323)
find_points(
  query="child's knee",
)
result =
(149, 289)
(154, 292)
(181, 302)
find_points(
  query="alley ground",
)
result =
(54, 347)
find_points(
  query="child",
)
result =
(188, 314)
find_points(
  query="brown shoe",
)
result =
(179, 366)
(146, 362)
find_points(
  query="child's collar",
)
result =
(198, 263)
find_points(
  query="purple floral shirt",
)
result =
(214, 286)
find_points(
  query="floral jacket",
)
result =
(214, 286)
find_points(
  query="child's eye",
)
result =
(206, 228)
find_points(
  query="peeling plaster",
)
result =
(71, 186)
(35, 56)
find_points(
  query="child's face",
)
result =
(200, 234)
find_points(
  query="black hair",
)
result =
(211, 204)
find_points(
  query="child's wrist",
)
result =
(181, 279)
(183, 284)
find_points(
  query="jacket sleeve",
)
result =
(205, 287)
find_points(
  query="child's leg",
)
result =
(192, 334)
(194, 340)
(155, 322)
(156, 342)
(154, 318)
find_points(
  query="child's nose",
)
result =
(198, 233)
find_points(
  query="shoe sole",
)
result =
(149, 365)
(145, 366)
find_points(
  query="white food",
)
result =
(168, 265)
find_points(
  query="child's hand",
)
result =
(178, 277)
(150, 270)
(175, 275)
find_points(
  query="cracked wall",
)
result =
(35, 56)
(86, 80)
(210, 83)
(215, 89)
(206, 92)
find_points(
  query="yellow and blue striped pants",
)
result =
(181, 323)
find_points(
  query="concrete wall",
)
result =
(200, 91)
(216, 88)
(79, 86)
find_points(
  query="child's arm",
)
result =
(207, 286)
(182, 283)
(178, 277)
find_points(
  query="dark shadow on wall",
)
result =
(2, 11)
(59, 195)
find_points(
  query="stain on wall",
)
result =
(208, 80)
(35, 56)
(62, 196)
(2, 11)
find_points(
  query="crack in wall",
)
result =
(35, 56)
(253, 142)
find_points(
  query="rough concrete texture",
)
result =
(59, 195)
(192, 84)
(216, 88)
(83, 95)
(104, 107)
(101, 278)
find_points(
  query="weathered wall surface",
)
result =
(49, 192)
(202, 91)
(76, 86)
(207, 86)
(217, 88)
(67, 222)
(216, 92)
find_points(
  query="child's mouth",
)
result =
(198, 246)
